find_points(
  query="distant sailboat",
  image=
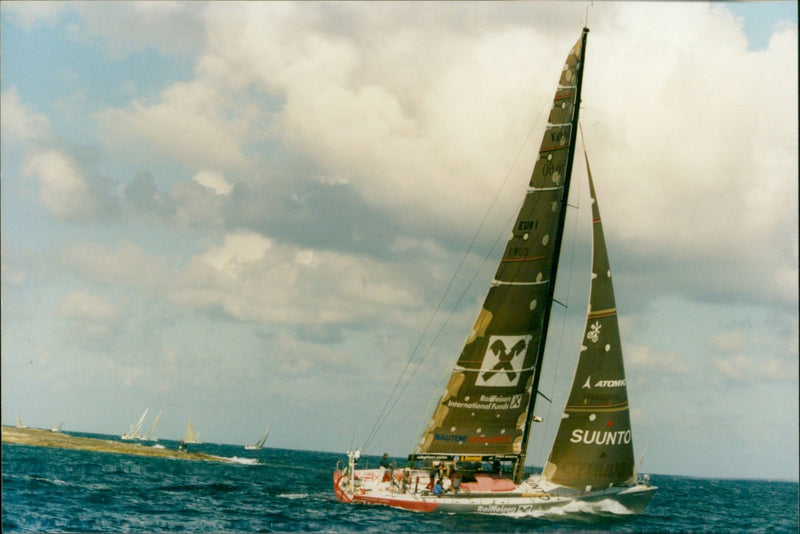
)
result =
(480, 429)
(135, 429)
(57, 428)
(260, 443)
(150, 436)
(191, 436)
(19, 423)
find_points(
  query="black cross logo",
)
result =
(504, 357)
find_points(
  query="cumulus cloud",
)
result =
(252, 278)
(91, 319)
(192, 124)
(647, 358)
(740, 358)
(214, 181)
(169, 27)
(84, 306)
(127, 266)
(62, 186)
(67, 187)
(31, 14)
(18, 122)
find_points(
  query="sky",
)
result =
(251, 214)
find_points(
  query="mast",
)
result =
(554, 269)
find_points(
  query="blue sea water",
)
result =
(54, 490)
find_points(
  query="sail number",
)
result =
(549, 169)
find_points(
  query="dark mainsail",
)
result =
(594, 446)
(487, 405)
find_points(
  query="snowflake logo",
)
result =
(594, 332)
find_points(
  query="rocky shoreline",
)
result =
(46, 438)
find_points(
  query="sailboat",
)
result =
(57, 428)
(191, 436)
(133, 433)
(260, 443)
(150, 436)
(19, 423)
(471, 456)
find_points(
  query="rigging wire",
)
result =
(497, 241)
(391, 401)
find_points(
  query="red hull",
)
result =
(363, 498)
(414, 506)
(340, 494)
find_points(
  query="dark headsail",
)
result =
(593, 446)
(487, 405)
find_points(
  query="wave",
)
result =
(237, 460)
(604, 507)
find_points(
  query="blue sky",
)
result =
(244, 214)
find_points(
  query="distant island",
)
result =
(46, 438)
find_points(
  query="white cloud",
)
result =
(237, 253)
(84, 306)
(193, 124)
(18, 122)
(700, 160)
(254, 279)
(66, 188)
(127, 266)
(169, 27)
(742, 368)
(744, 358)
(646, 358)
(214, 181)
(62, 186)
(30, 14)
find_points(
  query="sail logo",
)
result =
(594, 332)
(502, 363)
(596, 437)
(603, 383)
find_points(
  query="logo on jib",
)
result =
(503, 361)
(598, 437)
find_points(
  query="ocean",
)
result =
(278, 490)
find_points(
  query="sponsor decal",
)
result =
(594, 332)
(610, 383)
(471, 439)
(603, 383)
(490, 402)
(503, 361)
(597, 437)
(508, 508)
(450, 437)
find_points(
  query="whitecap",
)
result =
(243, 461)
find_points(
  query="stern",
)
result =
(341, 495)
